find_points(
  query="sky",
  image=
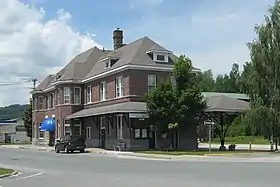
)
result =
(38, 37)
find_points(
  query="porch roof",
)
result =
(135, 107)
(226, 104)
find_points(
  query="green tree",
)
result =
(263, 72)
(27, 118)
(172, 107)
(206, 81)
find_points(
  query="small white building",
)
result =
(13, 131)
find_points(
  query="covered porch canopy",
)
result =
(135, 110)
(222, 110)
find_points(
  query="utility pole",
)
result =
(34, 80)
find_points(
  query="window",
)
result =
(173, 81)
(103, 90)
(52, 100)
(140, 133)
(41, 133)
(89, 94)
(161, 57)
(102, 122)
(66, 92)
(119, 86)
(47, 102)
(40, 103)
(144, 133)
(67, 127)
(88, 135)
(152, 81)
(137, 133)
(77, 95)
(77, 127)
(119, 127)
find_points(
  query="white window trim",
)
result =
(156, 60)
(89, 95)
(40, 98)
(80, 95)
(88, 135)
(65, 95)
(66, 125)
(47, 102)
(120, 130)
(108, 61)
(53, 100)
(103, 91)
(155, 82)
(119, 86)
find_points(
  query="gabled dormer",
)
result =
(160, 56)
(108, 62)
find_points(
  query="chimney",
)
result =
(118, 38)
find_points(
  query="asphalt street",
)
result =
(46, 169)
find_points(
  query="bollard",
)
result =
(250, 146)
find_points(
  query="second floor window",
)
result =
(89, 94)
(119, 86)
(52, 100)
(66, 92)
(47, 102)
(77, 95)
(152, 81)
(40, 103)
(103, 91)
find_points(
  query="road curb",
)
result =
(9, 175)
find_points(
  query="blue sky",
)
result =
(38, 37)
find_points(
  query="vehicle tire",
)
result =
(66, 150)
(82, 150)
(56, 150)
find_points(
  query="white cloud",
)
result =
(32, 47)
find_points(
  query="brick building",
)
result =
(99, 94)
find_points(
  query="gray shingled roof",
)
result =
(224, 103)
(80, 65)
(139, 107)
(88, 63)
(44, 84)
(215, 104)
(132, 53)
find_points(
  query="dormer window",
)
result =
(109, 62)
(159, 55)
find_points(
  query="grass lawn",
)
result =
(4, 171)
(243, 140)
(199, 152)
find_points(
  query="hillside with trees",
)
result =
(12, 111)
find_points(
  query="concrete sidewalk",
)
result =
(255, 147)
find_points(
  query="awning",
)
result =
(126, 107)
(48, 125)
(226, 104)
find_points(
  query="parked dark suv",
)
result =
(70, 143)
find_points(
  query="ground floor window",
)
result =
(88, 133)
(77, 127)
(41, 133)
(120, 126)
(140, 133)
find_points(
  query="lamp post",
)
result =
(209, 124)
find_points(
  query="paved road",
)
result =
(46, 169)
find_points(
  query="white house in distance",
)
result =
(13, 131)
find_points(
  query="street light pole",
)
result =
(209, 124)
